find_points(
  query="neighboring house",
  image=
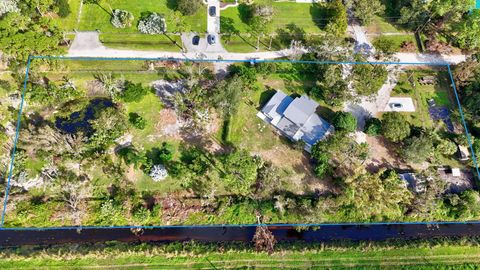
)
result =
(463, 153)
(296, 118)
(413, 183)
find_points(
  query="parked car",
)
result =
(396, 105)
(211, 39)
(195, 40)
(212, 11)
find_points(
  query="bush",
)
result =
(189, 7)
(395, 126)
(136, 120)
(152, 24)
(385, 45)
(121, 18)
(7, 6)
(63, 8)
(373, 126)
(166, 152)
(133, 92)
(344, 121)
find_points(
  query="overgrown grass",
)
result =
(399, 39)
(142, 42)
(385, 255)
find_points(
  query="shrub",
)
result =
(373, 126)
(395, 126)
(7, 6)
(63, 8)
(166, 152)
(136, 120)
(345, 121)
(133, 92)
(385, 45)
(121, 18)
(189, 7)
(152, 24)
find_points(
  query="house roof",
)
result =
(300, 110)
(277, 105)
(288, 127)
(314, 129)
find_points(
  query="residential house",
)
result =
(296, 118)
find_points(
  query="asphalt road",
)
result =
(13, 237)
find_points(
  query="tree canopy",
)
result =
(395, 126)
(344, 121)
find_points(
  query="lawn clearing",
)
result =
(97, 17)
(70, 22)
(398, 40)
(422, 93)
(171, 43)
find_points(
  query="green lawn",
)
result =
(399, 39)
(303, 15)
(98, 17)
(70, 22)
(240, 256)
(381, 25)
(142, 42)
(422, 93)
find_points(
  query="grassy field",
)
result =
(305, 16)
(422, 93)
(98, 16)
(142, 42)
(399, 39)
(198, 256)
(69, 23)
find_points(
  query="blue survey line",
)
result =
(227, 225)
(474, 158)
(236, 61)
(7, 189)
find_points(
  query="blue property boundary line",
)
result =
(7, 190)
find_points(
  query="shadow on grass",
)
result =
(265, 96)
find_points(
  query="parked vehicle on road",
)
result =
(212, 11)
(211, 39)
(195, 40)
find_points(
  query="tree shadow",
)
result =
(245, 13)
(290, 33)
(319, 15)
(265, 96)
(102, 8)
(154, 155)
(172, 4)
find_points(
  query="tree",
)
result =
(337, 18)
(109, 126)
(136, 120)
(153, 23)
(133, 92)
(373, 126)
(345, 121)
(385, 45)
(227, 96)
(417, 149)
(166, 152)
(121, 18)
(365, 10)
(63, 8)
(374, 197)
(465, 72)
(189, 7)
(158, 172)
(240, 171)
(464, 206)
(395, 126)
(466, 33)
(333, 91)
(368, 79)
(21, 36)
(446, 147)
(322, 166)
(261, 16)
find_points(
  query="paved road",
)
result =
(87, 44)
(372, 232)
